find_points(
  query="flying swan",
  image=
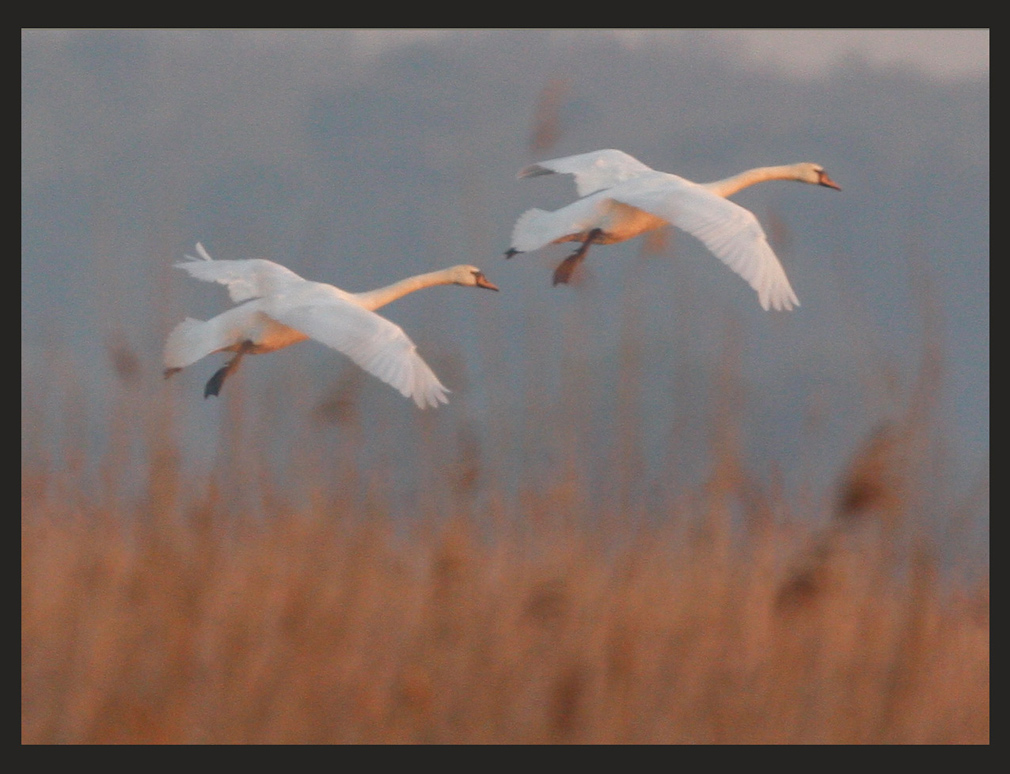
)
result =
(278, 308)
(623, 198)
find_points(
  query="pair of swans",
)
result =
(622, 198)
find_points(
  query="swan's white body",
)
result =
(277, 308)
(623, 198)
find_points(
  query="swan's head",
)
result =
(469, 276)
(815, 175)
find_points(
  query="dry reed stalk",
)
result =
(323, 627)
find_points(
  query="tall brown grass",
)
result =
(175, 618)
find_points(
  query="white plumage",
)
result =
(623, 198)
(278, 308)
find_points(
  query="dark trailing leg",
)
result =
(215, 382)
(565, 269)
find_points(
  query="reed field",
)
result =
(185, 613)
(651, 513)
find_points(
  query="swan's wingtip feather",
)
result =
(785, 303)
(436, 396)
(431, 399)
(201, 251)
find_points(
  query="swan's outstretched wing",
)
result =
(731, 232)
(593, 171)
(370, 340)
(245, 279)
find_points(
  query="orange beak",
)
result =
(483, 282)
(827, 182)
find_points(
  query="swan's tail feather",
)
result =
(179, 347)
(192, 340)
(533, 229)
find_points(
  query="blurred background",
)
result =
(358, 157)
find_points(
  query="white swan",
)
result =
(280, 308)
(624, 198)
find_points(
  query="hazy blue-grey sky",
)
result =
(948, 53)
(355, 157)
(941, 52)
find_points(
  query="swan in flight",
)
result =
(277, 308)
(623, 198)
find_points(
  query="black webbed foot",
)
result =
(215, 382)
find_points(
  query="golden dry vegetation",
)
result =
(176, 619)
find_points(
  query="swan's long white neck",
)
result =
(373, 299)
(730, 185)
